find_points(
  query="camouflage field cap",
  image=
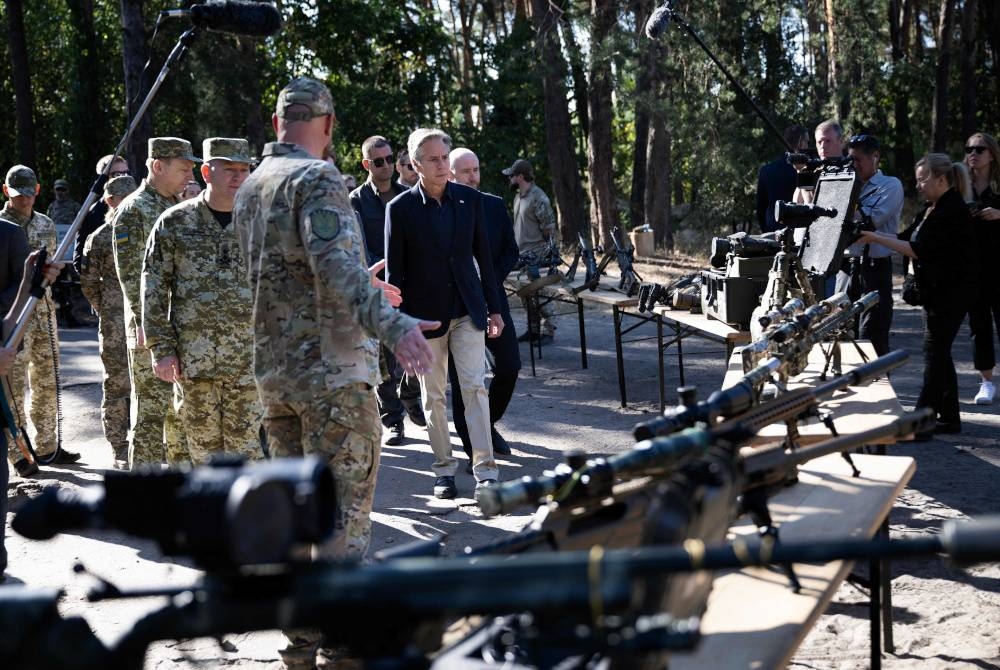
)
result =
(520, 166)
(22, 179)
(119, 186)
(310, 97)
(61, 183)
(226, 149)
(171, 147)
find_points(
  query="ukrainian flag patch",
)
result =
(121, 238)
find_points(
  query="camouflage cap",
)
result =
(520, 166)
(226, 149)
(310, 95)
(119, 186)
(22, 179)
(61, 183)
(171, 147)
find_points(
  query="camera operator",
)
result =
(880, 203)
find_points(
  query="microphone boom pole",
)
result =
(658, 22)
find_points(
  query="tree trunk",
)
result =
(991, 29)
(566, 185)
(600, 147)
(579, 72)
(833, 81)
(939, 111)
(91, 129)
(968, 67)
(643, 99)
(134, 51)
(899, 28)
(24, 103)
(657, 201)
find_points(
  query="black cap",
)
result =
(865, 142)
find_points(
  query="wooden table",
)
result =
(683, 324)
(557, 291)
(754, 620)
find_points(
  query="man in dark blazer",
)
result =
(506, 356)
(435, 237)
(13, 251)
(776, 180)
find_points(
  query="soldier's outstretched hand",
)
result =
(412, 350)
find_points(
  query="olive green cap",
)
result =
(119, 186)
(171, 147)
(61, 183)
(310, 98)
(226, 149)
(22, 179)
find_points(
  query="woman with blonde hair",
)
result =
(982, 157)
(941, 243)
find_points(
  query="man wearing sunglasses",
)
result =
(880, 202)
(398, 392)
(408, 177)
(95, 215)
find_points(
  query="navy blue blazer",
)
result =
(500, 230)
(775, 181)
(430, 260)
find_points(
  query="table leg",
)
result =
(583, 334)
(875, 612)
(886, 588)
(680, 356)
(618, 352)
(532, 314)
(659, 362)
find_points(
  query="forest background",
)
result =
(623, 131)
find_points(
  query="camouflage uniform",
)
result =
(315, 319)
(153, 418)
(197, 305)
(62, 212)
(99, 283)
(36, 363)
(534, 224)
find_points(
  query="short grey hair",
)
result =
(830, 124)
(420, 136)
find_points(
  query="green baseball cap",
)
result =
(61, 183)
(171, 147)
(119, 186)
(22, 179)
(226, 149)
(308, 97)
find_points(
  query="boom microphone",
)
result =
(239, 17)
(659, 20)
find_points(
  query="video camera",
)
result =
(815, 162)
(224, 516)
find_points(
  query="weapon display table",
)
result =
(859, 408)
(541, 292)
(754, 620)
(683, 324)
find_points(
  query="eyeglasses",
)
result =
(380, 161)
(61, 188)
(976, 148)
(408, 167)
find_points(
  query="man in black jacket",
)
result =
(506, 357)
(435, 237)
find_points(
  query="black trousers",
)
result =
(876, 275)
(983, 315)
(505, 366)
(940, 389)
(4, 478)
(398, 392)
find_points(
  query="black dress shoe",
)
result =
(396, 434)
(948, 427)
(65, 457)
(444, 487)
(500, 445)
(25, 468)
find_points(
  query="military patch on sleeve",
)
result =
(121, 238)
(325, 224)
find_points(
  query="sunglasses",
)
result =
(978, 149)
(379, 162)
(408, 166)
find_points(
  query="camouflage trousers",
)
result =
(219, 416)
(35, 365)
(116, 388)
(153, 430)
(343, 428)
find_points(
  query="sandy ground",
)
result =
(944, 617)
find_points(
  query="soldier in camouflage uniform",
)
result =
(63, 209)
(534, 225)
(37, 363)
(99, 282)
(316, 317)
(197, 311)
(153, 419)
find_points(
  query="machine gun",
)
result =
(629, 280)
(533, 263)
(585, 251)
